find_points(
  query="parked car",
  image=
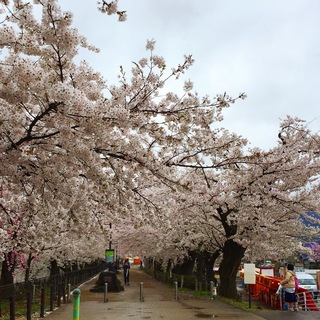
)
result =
(306, 281)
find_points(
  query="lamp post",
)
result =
(110, 236)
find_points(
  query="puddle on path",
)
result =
(204, 315)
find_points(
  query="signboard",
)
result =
(109, 255)
(267, 271)
(249, 273)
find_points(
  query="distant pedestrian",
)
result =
(126, 271)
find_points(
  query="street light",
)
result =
(110, 236)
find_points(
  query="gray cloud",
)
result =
(268, 49)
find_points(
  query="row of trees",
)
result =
(77, 154)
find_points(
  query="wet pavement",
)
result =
(158, 301)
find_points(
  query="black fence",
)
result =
(38, 296)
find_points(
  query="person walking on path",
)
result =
(126, 271)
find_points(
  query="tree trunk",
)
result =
(210, 260)
(27, 272)
(7, 272)
(185, 268)
(201, 270)
(54, 268)
(232, 255)
(169, 265)
(205, 273)
(157, 265)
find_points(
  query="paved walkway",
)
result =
(160, 303)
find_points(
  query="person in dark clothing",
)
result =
(126, 271)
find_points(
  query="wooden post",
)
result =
(51, 297)
(182, 281)
(42, 302)
(69, 293)
(12, 308)
(29, 304)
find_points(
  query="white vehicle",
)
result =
(306, 281)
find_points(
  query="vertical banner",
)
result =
(109, 255)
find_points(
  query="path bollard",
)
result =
(105, 299)
(176, 290)
(141, 292)
(76, 304)
(213, 290)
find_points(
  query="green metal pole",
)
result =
(76, 304)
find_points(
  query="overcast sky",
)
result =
(269, 49)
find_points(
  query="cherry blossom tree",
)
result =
(156, 164)
(47, 171)
(111, 8)
(250, 202)
(70, 155)
(314, 248)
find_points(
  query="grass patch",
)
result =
(206, 295)
(20, 310)
(198, 294)
(240, 304)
